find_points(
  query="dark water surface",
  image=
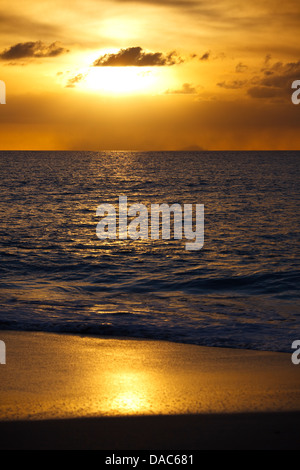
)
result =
(240, 290)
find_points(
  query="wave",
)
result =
(254, 337)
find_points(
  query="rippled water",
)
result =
(240, 290)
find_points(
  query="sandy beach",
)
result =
(77, 392)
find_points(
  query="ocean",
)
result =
(240, 290)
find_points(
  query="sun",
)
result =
(120, 80)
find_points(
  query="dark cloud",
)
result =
(273, 82)
(276, 80)
(36, 49)
(74, 80)
(208, 56)
(205, 56)
(233, 85)
(135, 56)
(187, 89)
(281, 75)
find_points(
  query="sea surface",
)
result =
(240, 290)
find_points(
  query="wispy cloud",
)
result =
(12, 24)
(135, 56)
(172, 3)
(186, 89)
(240, 68)
(233, 85)
(264, 92)
(72, 82)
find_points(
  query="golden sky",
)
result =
(149, 74)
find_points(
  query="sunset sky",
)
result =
(149, 74)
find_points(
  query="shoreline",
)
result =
(137, 338)
(73, 385)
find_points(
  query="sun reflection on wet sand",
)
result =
(128, 402)
(128, 392)
(57, 376)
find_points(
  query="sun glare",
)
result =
(119, 80)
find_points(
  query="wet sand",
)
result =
(67, 392)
